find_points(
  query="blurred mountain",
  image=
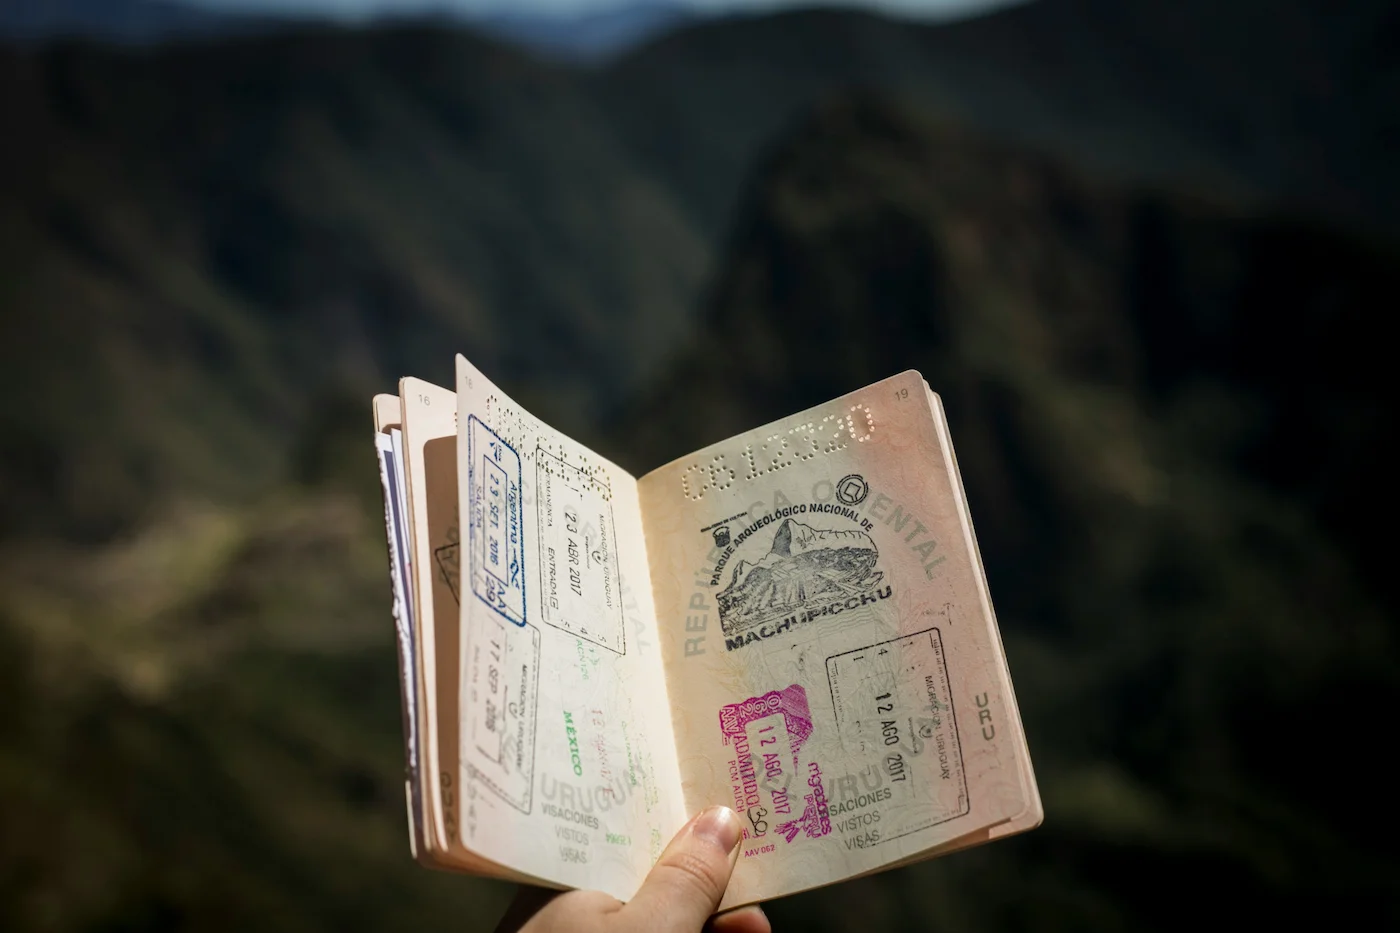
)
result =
(244, 232)
(590, 35)
(1253, 100)
(867, 239)
(206, 248)
(1142, 274)
(587, 36)
(204, 730)
(123, 21)
(1170, 418)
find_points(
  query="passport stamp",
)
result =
(809, 569)
(503, 652)
(502, 683)
(580, 591)
(894, 712)
(497, 522)
(774, 787)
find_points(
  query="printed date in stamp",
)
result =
(502, 683)
(774, 787)
(894, 712)
(497, 522)
(579, 587)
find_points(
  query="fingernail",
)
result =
(720, 825)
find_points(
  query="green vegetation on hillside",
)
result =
(1169, 420)
(1171, 413)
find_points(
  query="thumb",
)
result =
(688, 881)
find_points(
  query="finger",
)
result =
(688, 881)
(749, 919)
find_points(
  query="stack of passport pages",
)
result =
(793, 622)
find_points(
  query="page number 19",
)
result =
(901, 394)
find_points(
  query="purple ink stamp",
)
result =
(773, 787)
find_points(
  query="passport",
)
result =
(794, 622)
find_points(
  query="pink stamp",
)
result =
(769, 779)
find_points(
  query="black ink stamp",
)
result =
(852, 489)
(807, 572)
(449, 562)
(580, 584)
(893, 704)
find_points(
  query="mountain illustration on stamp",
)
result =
(805, 566)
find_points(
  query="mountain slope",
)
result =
(1172, 415)
(135, 21)
(588, 36)
(1168, 417)
(1257, 101)
(881, 241)
(246, 235)
(237, 232)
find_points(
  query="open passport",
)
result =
(793, 622)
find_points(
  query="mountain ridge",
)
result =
(590, 36)
(1178, 524)
(1170, 410)
(386, 192)
(805, 539)
(128, 22)
(802, 564)
(1141, 91)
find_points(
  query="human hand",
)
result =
(679, 896)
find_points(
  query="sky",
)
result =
(364, 9)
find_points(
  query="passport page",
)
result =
(429, 416)
(831, 653)
(387, 419)
(568, 759)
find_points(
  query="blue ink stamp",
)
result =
(497, 522)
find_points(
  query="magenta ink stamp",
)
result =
(773, 786)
